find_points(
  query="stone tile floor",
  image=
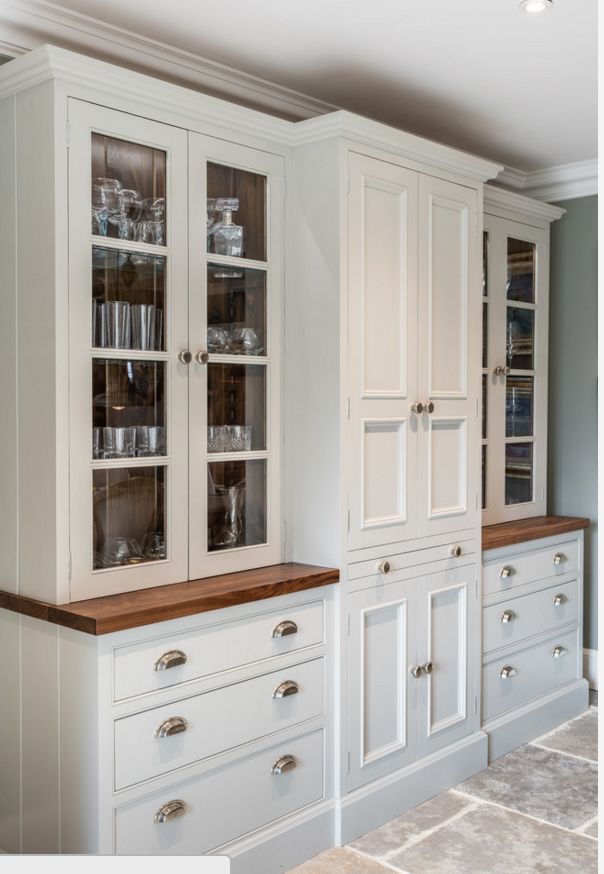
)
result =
(532, 811)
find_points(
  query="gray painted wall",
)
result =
(573, 410)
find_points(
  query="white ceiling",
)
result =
(476, 74)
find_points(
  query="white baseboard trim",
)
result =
(590, 667)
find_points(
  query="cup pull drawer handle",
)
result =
(171, 659)
(285, 628)
(285, 689)
(508, 671)
(506, 571)
(507, 616)
(559, 651)
(559, 558)
(175, 725)
(559, 600)
(170, 810)
(283, 764)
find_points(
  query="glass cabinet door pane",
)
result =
(237, 504)
(485, 334)
(521, 271)
(484, 477)
(129, 516)
(236, 407)
(128, 300)
(128, 195)
(520, 336)
(485, 263)
(518, 473)
(237, 214)
(519, 406)
(484, 405)
(236, 310)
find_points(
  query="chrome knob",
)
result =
(171, 659)
(428, 668)
(559, 600)
(559, 651)
(170, 811)
(507, 671)
(559, 558)
(185, 356)
(455, 551)
(500, 370)
(285, 689)
(285, 628)
(507, 616)
(417, 408)
(428, 407)
(506, 571)
(384, 567)
(283, 764)
(202, 357)
(416, 671)
(175, 725)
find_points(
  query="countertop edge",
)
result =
(504, 534)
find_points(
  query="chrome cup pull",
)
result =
(507, 616)
(285, 628)
(285, 689)
(416, 671)
(506, 571)
(428, 668)
(559, 558)
(284, 764)
(170, 810)
(185, 356)
(455, 551)
(559, 651)
(383, 567)
(175, 725)
(417, 408)
(560, 599)
(507, 671)
(171, 659)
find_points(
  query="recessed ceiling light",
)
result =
(533, 6)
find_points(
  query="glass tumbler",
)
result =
(144, 321)
(119, 442)
(115, 324)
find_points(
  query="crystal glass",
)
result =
(104, 202)
(115, 330)
(237, 307)
(130, 210)
(226, 183)
(154, 546)
(518, 473)
(237, 397)
(119, 551)
(119, 442)
(227, 237)
(236, 504)
(519, 406)
(150, 440)
(520, 334)
(144, 322)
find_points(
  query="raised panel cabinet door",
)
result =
(381, 689)
(382, 356)
(236, 252)
(447, 652)
(449, 357)
(128, 391)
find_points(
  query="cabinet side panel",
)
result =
(36, 342)
(40, 736)
(10, 733)
(8, 353)
(312, 359)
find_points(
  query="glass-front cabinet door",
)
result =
(514, 393)
(236, 216)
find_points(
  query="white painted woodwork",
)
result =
(408, 561)
(10, 733)
(527, 562)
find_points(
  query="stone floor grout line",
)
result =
(563, 828)
(378, 861)
(417, 839)
(562, 752)
(586, 825)
(560, 727)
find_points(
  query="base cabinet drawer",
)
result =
(519, 568)
(200, 815)
(174, 735)
(517, 619)
(172, 659)
(515, 679)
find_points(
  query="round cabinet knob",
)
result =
(455, 551)
(559, 558)
(428, 668)
(417, 408)
(202, 357)
(185, 356)
(507, 671)
(416, 671)
(429, 407)
(500, 370)
(506, 572)
(384, 567)
(170, 810)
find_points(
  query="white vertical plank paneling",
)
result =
(10, 733)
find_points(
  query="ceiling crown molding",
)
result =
(518, 206)
(565, 182)
(27, 24)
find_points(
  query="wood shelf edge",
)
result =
(524, 530)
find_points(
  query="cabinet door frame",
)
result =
(85, 119)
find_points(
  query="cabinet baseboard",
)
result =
(536, 718)
(371, 806)
(590, 667)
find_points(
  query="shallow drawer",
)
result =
(175, 735)
(400, 561)
(519, 618)
(225, 804)
(532, 672)
(517, 569)
(215, 648)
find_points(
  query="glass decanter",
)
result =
(227, 236)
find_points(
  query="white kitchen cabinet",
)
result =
(515, 352)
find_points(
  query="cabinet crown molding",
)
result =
(522, 207)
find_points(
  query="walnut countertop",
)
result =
(521, 530)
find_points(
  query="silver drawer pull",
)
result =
(286, 689)
(383, 567)
(455, 551)
(506, 571)
(175, 725)
(170, 810)
(285, 628)
(508, 671)
(428, 668)
(171, 659)
(283, 764)
(507, 616)
(559, 558)
(559, 651)
(559, 600)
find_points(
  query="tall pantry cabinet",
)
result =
(382, 342)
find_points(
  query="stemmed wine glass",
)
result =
(129, 211)
(105, 202)
(152, 227)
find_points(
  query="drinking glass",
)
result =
(104, 202)
(119, 442)
(144, 323)
(119, 551)
(246, 341)
(129, 212)
(154, 546)
(240, 438)
(115, 324)
(96, 442)
(218, 339)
